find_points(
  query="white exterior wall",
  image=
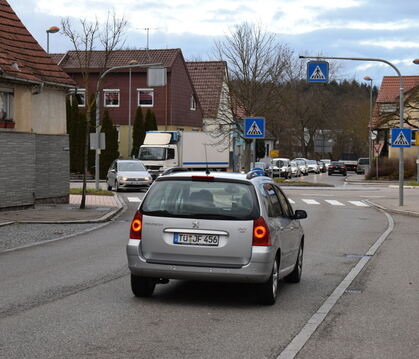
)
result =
(49, 111)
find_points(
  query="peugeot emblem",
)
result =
(195, 224)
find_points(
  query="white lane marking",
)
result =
(292, 349)
(359, 203)
(291, 201)
(133, 199)
(333, 202)
(310, 201)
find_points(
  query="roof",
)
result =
(21, 57)
(207, 78)
(119, 58)
(390, 87)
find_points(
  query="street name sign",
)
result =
(401, 137)
(254, 127)
(317, 72)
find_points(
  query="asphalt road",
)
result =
(72, 298)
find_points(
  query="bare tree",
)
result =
(256, 63)
(92, 36)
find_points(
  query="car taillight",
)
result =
(261, 235)
(136, 226)
(342, 167)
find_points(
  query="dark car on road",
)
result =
(336, 167)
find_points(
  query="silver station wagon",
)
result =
(226, 227)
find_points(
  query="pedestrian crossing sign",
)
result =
(318, 72)
(401, 137)
(254, 127)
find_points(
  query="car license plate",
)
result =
(193, 239)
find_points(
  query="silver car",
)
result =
(127, 174)
(227, 227)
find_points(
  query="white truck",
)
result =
(188, 149)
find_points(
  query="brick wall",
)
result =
(33, 168)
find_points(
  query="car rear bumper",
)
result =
(257, 270)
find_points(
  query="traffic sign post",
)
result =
(401, 137)
(318, 72)
(254, 127)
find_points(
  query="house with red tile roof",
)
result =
(33, 139)
(175, 105)
(386, 112)
(210, 81)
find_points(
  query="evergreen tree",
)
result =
(150, 121)
(111, 139)
(92, 129)
(138, 132)
(260, 148)
(76, 132)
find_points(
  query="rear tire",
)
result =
(109, 188)
(142, 286)
(295, 275)
(269, 290)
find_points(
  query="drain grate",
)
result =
(356, 255)
(353, 291)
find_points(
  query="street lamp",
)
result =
(132, 62)
(367, 78)
(51, 30)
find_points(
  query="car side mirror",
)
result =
(299, 214)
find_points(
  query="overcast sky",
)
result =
(387, 29)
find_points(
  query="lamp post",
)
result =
(132, 62)
(416, 62)
(51, 30)
(367, 78)
(401, 160)
(157, 66)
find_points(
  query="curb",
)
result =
(105, 218)
(103, 222)
(391, 210)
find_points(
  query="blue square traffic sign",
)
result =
(401, 137)
(254, 127)
(318, 71)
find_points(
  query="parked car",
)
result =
(336, 167)
(228, 227)
(302, 164)
(322, 166)
(362, 165)
(326, 161)
(124, 174)
(295, 169)
(313, 166)
(281, 167)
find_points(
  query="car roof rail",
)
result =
(256, 172)
(174, 170)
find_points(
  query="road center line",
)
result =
(292, 349)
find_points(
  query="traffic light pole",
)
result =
(401, 160)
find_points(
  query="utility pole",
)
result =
(401, 160)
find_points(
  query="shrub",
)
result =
(388, 169)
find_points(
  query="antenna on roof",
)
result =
(207, 172)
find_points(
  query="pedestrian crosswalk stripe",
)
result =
(333, 202)
(317, 74)
(310, 201)
(254, 129)
(291, 201)
(133, 199)
(358, 203)
(401, 140)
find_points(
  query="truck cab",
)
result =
(156, 158)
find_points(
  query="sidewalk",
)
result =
(98, 209)
(391, 204)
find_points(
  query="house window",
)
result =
(145, 97)
(6, 104)
(193, 103)
(80, 96)
(111, 98)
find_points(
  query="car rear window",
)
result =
(363, 161)
(200, 199)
